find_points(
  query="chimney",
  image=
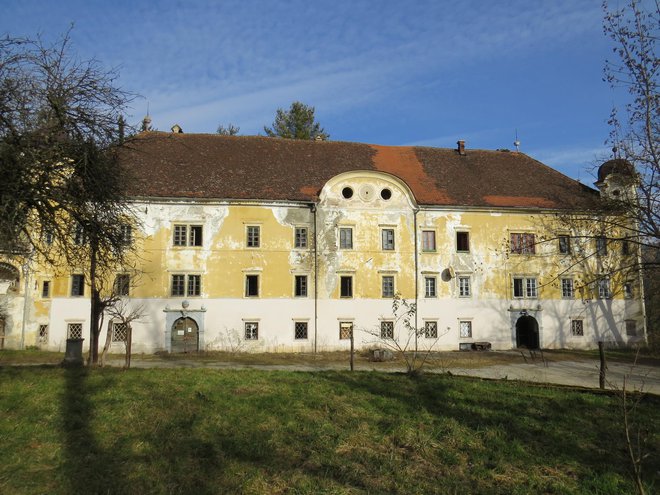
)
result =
(461, 147)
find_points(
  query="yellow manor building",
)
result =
(249, 243)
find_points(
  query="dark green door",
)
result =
(185, 335)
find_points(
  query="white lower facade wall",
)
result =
(222, 322)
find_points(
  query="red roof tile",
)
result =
(261, 168)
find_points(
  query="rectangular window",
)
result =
(625, 247)
(301, 286)
(387, 236)
(604, 291)
(388, 286)
(180, 235)
(178, 286)
(462, 242)
(43, 334)
(346, 289)
(300, 241)
(386, 329)
(122, 284)
(523, 243)
(77, 285)
(345, 238)
(430, 287)
(195, 238)
(628, 290)
(601, 245)
(531, 288)
(119, 332)
(300, 330)
(631, 328)
(465, 329)
(74, 331)
(45, 289)
(251, 330)
(525, 287)
(194, 285)
(79, 237)
(252, 286)
(564, 244)
(253, 236)
(428, 240)
(577, 328)
(345, 330)
(126, 234)
(431, 329)
(567, 289)
(464, 286)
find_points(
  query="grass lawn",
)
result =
(246, 431)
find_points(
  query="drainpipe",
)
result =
(415, 211)
(26, 276)
(316, 278)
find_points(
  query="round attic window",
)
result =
(347, 192)
(386, 194)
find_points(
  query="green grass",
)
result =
(245, 431)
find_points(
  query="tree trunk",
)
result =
(108, 341)
(95, 306)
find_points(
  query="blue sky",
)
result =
(384, 72)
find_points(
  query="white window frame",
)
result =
(567, 288)
(529, 287)
(464, 286)
(300, 238)
(465, 323)
(391, 289)
(429, 244)
(430, 282)
(346, 238)
(387, 239)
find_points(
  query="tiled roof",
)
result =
(211, 166)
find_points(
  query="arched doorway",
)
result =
(185, 335)
(527, 332)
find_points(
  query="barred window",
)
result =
(577, 328)
(126, 234)
(388, 286)
(386, 329)
(74, 331)
(345, 330)
(251, 330)
(631, 328)
(465, 329)
(253, 236)
(43, 334)
(523, 243)
(119, 332)
(431, 329)
(300, 241)
(300, 330)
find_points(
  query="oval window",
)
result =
(347, 192)
(386, 194)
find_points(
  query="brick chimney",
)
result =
(461, 147)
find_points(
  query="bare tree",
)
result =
(400, 335)
(120, 312)
(62, 189)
